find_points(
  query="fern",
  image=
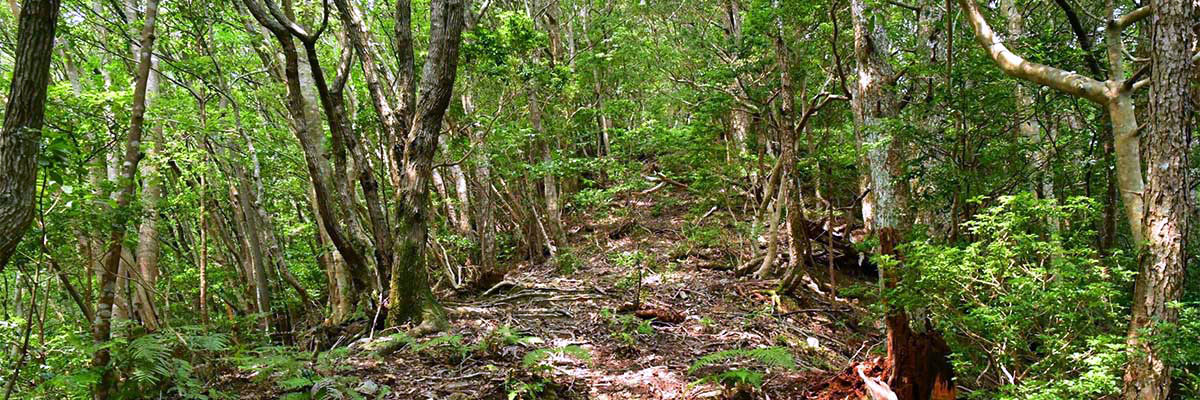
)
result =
(454, 341)
(535, 357)
(151, 360)
(768, 356)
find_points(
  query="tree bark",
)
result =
(1161, 268)
(485, 225)
(23, 118)
(102, 326)
(917, 359)
(147, 245)
(411, 299)
(284, 29)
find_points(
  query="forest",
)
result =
(599, 199)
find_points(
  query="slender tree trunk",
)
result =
(203, 303)
(23, 117)
(1160, 277)
(485, 225)
(251, 229)
(1029, 129)
(739, 117)
(552, 219)
(101, 328)
(464, 201)
(147, 246)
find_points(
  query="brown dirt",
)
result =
(699, 305)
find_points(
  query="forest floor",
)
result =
(691, 305)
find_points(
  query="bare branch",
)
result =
(1129, 19)
(1016, 66)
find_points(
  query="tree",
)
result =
(1154, 209)
(23, 118)
(102, 326)
(917, 357)
(410, 299)
(1161, 271)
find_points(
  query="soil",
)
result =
(634, 347)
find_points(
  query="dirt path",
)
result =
(698, 308)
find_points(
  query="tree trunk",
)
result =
(147, 245)
(309, 137)
(485, 225)
(23, 117)
(739, 117)
(203, 301)
(1029, 129)
(917, 359)
(552, 219)
(464, 201)
(251, 229)
(411, 299)
(1160, 277)
(102, 327)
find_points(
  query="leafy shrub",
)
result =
(1029, 311)
(627, 329)
(1183, 340)
(566, 261)
(593, 199)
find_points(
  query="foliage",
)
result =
(536, 364)
(766, 358)
(1028, 309)
(1183, 340)
(535, 358)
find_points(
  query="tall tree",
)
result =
(916, 357)
(411, 299)
(1154, 205)
(23, 118)
(1162, 266)
(102, 326)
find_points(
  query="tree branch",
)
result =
(1085, 41)
(1136, 15)
(1016, 66)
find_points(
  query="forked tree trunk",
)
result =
(340, 227)
(23, 119)
(411, 299)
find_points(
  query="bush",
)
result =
(1029, 311)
